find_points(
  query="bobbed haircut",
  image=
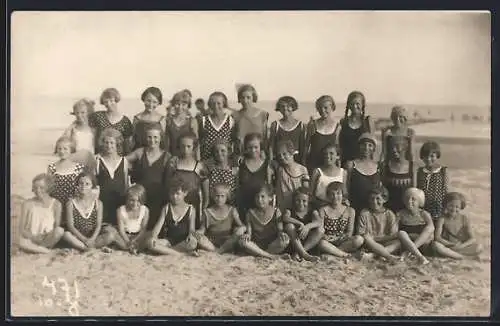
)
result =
(398, 110)
(264, 187)
(199, 100)
(221, 186)
(380, 190)
(109, 93)
(428, 148)
(287, 100)
(87, 174)
(65, 140)
(137, 190)
(350, 98)
(155, 91)
(455, 196)
(176, 184)
(246, 88)
(251, 137)
(181, 97)
(322, 99)
(211, 99)
(47, 178)
(111, 133)
(334, 186)
(188, 135)
(286, 144)
(86, 103)
(301, 191)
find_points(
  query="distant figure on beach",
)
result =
(152, 98)
(353, 125)
(82, 134)
(112, 118)
(321, 132)
(288, 128)
(249, 119)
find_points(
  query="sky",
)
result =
(404, 57)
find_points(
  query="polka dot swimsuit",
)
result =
(434, 185)
(210, 134)
(85, 223)
(100, 121)
(225, 176)
(64, 183)
(335, 228)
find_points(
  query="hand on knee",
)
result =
(358, 241)
(58, 231)
(191, 242)
(240, 231)
(150, 243)
(284, 239)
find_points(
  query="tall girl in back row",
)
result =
(353, 125)
(321, 132)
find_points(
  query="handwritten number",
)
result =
(73, 309)
(65, 287)
(51, 284)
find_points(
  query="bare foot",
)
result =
(195, 253)
(423, 261)
(311, 258)
(107, 250)
(368, 256)
(297, 257)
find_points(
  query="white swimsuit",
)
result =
(324, 181)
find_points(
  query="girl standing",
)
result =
(40, 219)
(264, 235)
(432, 179)
(149, 168)
(64, 172)
(222, 171)
(353, 125)
(453, 235)
(329, 172)
(174, 231)
(398, 173)
(180, 123)
(249, 119)
(112, 118)
(192, 172)
(338, 223)
(416, 228)
(216, 125)
(288, 128)
(112, 174)
(221, 228)
(151, 97)
(133, 220)
(289, 176)
(303, 225)
(84, 218)
(321, 132)
(81, 134)
(254, 171)
(363, 174)
(399, 129)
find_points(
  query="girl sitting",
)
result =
(378, 226)
(40, 222)
(415, 225)
(453, 235)
(353, 125)
(303, 226)
(221, 228)
(180, 123)
(338, 222)
(249, 119)
(288, 128)
(321, 132)
(216, 125)
(289, 176)
(151, 97)
(174, 231)
(133, 220)
(328, 172)
(84, 218)
(81, 134)
(432, 179)
(264, 235)
(112, 118)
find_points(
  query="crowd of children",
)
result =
(225, 182)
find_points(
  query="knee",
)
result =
(358, 241)
(289, 228)
(285, 240)
(191, 242)
(58, 232)
(239, 231)
(435, 245)
(402, 234)
(23, 242)
(479, 248)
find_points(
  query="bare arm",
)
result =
(429, 224)
(121, 227)
(236, 218)
(314, 183)
(371, 124)
(24, 228)
(316, 222)
(134, 156)
(194, 128)
(159, 224)
(192, 219)
(438, 231)
(350, 226)
(384, 144)
(57, 213)
(71, 225)
(287, 218)
(204, 222)
(470, 236)
(279, 221)
(205, 186)
(99, 222)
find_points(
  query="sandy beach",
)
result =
(230, 285)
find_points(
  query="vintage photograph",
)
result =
(246, 163)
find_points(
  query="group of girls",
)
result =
(230, 181)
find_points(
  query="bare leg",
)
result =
(106, 239)
(407, 243)
(52, 238)
(442, 250)
(231, 242)
(74, 241)
(161, 247)
(278, 245)
(352, 244)
(378, 249)
(252, 248)
(204, 243)
(187, 245)
(393, 245)
(474, 249)
(313, 238)
(31, 247)
(329, 249)
(297, 244)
